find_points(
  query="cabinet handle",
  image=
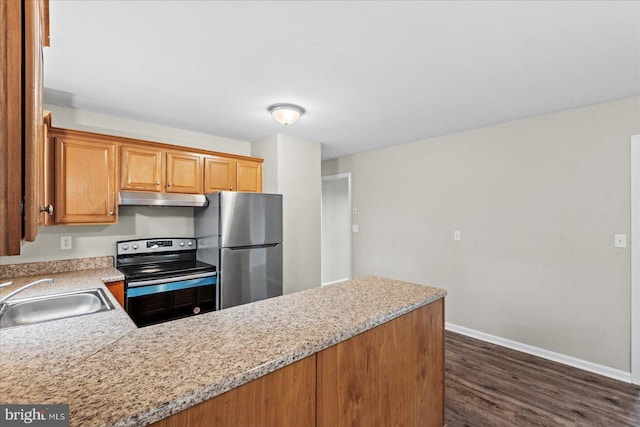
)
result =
(48, 209)
(157, 182)
(170, 184)
(112, 213)
(230, 188)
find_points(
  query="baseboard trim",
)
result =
(335, 281)
(595, 368)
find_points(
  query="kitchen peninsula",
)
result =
(365, 352)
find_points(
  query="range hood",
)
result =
(136, 198)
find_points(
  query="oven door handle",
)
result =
(170, 279)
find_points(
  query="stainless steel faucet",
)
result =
(17, 291)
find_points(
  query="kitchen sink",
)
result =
(26, 311)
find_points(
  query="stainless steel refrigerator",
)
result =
(241, 234)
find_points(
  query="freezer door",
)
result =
(250, 219)
(249, 274)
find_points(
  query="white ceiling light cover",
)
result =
(286, 113)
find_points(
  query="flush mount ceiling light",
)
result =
(286, 113)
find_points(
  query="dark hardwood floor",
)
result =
(489, 385)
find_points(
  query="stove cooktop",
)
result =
(164, 269)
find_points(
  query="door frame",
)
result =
(635, 259)
(346, 175)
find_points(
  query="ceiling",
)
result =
(369, 73)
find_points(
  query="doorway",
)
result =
(336, 228)
(635, 259)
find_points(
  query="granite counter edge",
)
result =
(187, 401)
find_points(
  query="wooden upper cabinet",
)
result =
(249, 176)
(23, 31)
(219, 174)
(184, 173)
(151, 168)
(45, 176)
(35, 21)
(85, 181)
(90, 169)
(141, 168)
(226, 173)
(11, 125)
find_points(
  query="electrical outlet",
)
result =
(457, 236)
(355, 211)
(355, 228)
(65, 243)
(620, 241)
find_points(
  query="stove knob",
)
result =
(190, 244)
(181, 243)
(125, 247)
(135, 246)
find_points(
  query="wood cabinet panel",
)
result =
(285, 397)
(34, 21)
(141, 168)
(390, 375)
(117, 289)
(150, 168)
(184, 173)
(81, 196)
(219, 174)
(46, 178)
(249, 176)
(23, 25)
(230, 174)
(11, 122)
(85, 181)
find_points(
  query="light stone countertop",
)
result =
(114, 374)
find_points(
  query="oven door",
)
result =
(154, 301)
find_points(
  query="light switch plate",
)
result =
(457, 236)
(620, 241)
(355, 228)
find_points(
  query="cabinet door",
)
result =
(249, 176)
(184, 173)
(219, 174)
(85, 182)
(45, 181)
(140, 168)
(117, 289)
(10, 127)
(34, 21)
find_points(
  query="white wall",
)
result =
(298, 180)
(133, 221)
(267, 149)
(538, 202)
(71, 118)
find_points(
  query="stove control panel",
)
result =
(146, 246)
(161, 243)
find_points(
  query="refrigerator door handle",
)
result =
(268, 245)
